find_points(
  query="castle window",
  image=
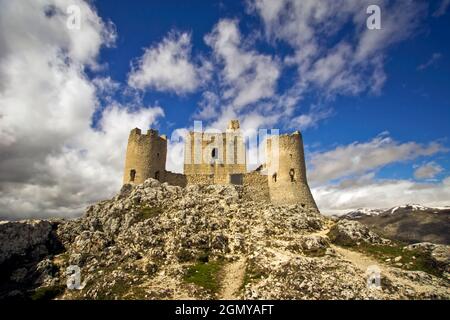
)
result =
(274, 177)
(214, 153)
(132, 175)
(157, 175)
(292, 175)
(157, 155)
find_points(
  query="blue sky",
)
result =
(373, 105)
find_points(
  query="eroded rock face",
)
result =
(25, 251)
(350, 232)
(17, 237)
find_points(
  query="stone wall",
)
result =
(220, 154)
(199, 179)
(175, 179)
(255, 186)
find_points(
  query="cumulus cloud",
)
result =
(361, 157)
(355, 63)
(248, 76)
(168, 66)
(344, 178)
(427, 171)
(339, 199)
(52, 161)
(312, 118)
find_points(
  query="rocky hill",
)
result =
(408, 223)
(156, 241)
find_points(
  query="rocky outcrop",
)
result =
(439, 255)
(152, 240)
(349, 233)
(25, 249)
(16, 238)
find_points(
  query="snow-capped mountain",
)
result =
(408, 223)
(363, 212)
(368, 212)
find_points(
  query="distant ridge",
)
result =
(408, 223)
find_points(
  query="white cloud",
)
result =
(431, 61)
(361, 157)
(427, 171)
(168, 66)
(311, 119)
(338, 199)
(248, 76)
(355, 63)
(52, 162)
(344, 178)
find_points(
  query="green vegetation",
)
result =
(205, 275)
(250, 276)
(411, 259)
(149, 212)
(47, 293)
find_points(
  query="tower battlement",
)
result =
(220, 158)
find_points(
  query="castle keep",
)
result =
(220, 158)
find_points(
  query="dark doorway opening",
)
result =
(132, 175)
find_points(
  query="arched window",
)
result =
(292, 175)
(274, 177)
(132, 175)
(214, 153)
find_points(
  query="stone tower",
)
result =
(287, 171)
(146, 156)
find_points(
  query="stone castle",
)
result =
(220, 158)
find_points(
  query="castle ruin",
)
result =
(220, 158)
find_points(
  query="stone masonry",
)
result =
(220, 158)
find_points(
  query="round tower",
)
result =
(287, 171)
(146, 156)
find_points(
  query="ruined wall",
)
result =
(146, 156)
(220, 154)
(287, 182)
(175, 179)
(202, 179)
(256, 187)
(207, 179)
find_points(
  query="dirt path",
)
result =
(233, 277)
(362, 262)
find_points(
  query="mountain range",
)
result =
(408, 223)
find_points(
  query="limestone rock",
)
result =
(349, 232)
(18, 237)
